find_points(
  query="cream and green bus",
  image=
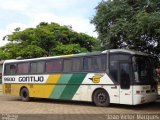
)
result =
(113, 76)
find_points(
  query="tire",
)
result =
(24, 95)
(101, 98)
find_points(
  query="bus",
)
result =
(117, 76)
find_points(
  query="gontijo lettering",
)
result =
(31, 79)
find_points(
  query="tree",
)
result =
(68, 49)
(45, 40)
(9, 51)
(133, 24)
(13, 51)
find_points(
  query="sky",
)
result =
(29, 13)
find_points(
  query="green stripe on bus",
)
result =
(72, 86)
(58, 89)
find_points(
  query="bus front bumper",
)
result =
(147, 98)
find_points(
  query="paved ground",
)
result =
(45, 106)
(38, 107)
(44, 109)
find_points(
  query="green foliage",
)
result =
(45, 40)
(9, 51)
(133, 24)
(31, 51)
(68, 49)
(14, 50)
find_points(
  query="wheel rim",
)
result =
(102, 97)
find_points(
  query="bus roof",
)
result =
(82, 54)
(133, 52)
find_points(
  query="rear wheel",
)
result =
(24, 94)
(101, 98)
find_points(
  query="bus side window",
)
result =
(40, 67)
(37, 67)
(33, 67)
(103, 62)
(67, 65)
(22, 68)
(54, 66)
(87, 64)
(57, 65)
(49, 66)
(98, 63)
(114, 70)
(10, 69)
(76, 64)
(7, 69)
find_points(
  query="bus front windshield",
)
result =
(143, 69)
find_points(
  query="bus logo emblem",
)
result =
(95, 78)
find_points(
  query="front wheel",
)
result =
(24, 94)
(101, 98)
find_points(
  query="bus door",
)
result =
(125, 82)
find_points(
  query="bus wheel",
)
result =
(24, 94)
(101, 98)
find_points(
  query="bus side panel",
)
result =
(85, 92)
(79, 86)
(67, 86)
(41, 90)
(35, 90)
(89, 85)
(13, 89)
